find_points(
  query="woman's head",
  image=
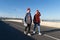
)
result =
(37, 11)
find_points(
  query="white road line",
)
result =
(51, 37)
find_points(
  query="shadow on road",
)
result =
(7, 32)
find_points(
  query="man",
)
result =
(36, 21)
(28, 21)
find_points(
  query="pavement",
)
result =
(14, 31)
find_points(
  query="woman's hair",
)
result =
(37, 11)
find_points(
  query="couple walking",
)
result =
(28, 21)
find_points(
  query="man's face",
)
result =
(28, 11)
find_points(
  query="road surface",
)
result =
(14, 31)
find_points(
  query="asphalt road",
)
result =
(14, 31)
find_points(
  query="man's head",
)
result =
(28, 10)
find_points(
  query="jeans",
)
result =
(28, 27)
(37, 25)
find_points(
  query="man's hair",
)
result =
(28, 8)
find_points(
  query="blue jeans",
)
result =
(37, 25)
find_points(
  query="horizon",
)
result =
(41, 19)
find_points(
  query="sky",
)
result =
(49, 9)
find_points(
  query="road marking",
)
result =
(51, 37)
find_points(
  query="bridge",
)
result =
(12, 29)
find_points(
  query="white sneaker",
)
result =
(40, 34)
(29, 34)
(34, 32)
(24, 32)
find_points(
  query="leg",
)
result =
(34, 26)
(26, 27)
(38, 27)
(29, 26)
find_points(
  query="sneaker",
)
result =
(34, 32)
(40, 34)
(29, 34)
(24, 32)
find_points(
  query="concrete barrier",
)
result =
(51, 24)
(44, 23)
(13, 20)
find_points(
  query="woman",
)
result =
(36, 21)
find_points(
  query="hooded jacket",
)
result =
(37, 18)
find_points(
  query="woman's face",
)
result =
(36, 12)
